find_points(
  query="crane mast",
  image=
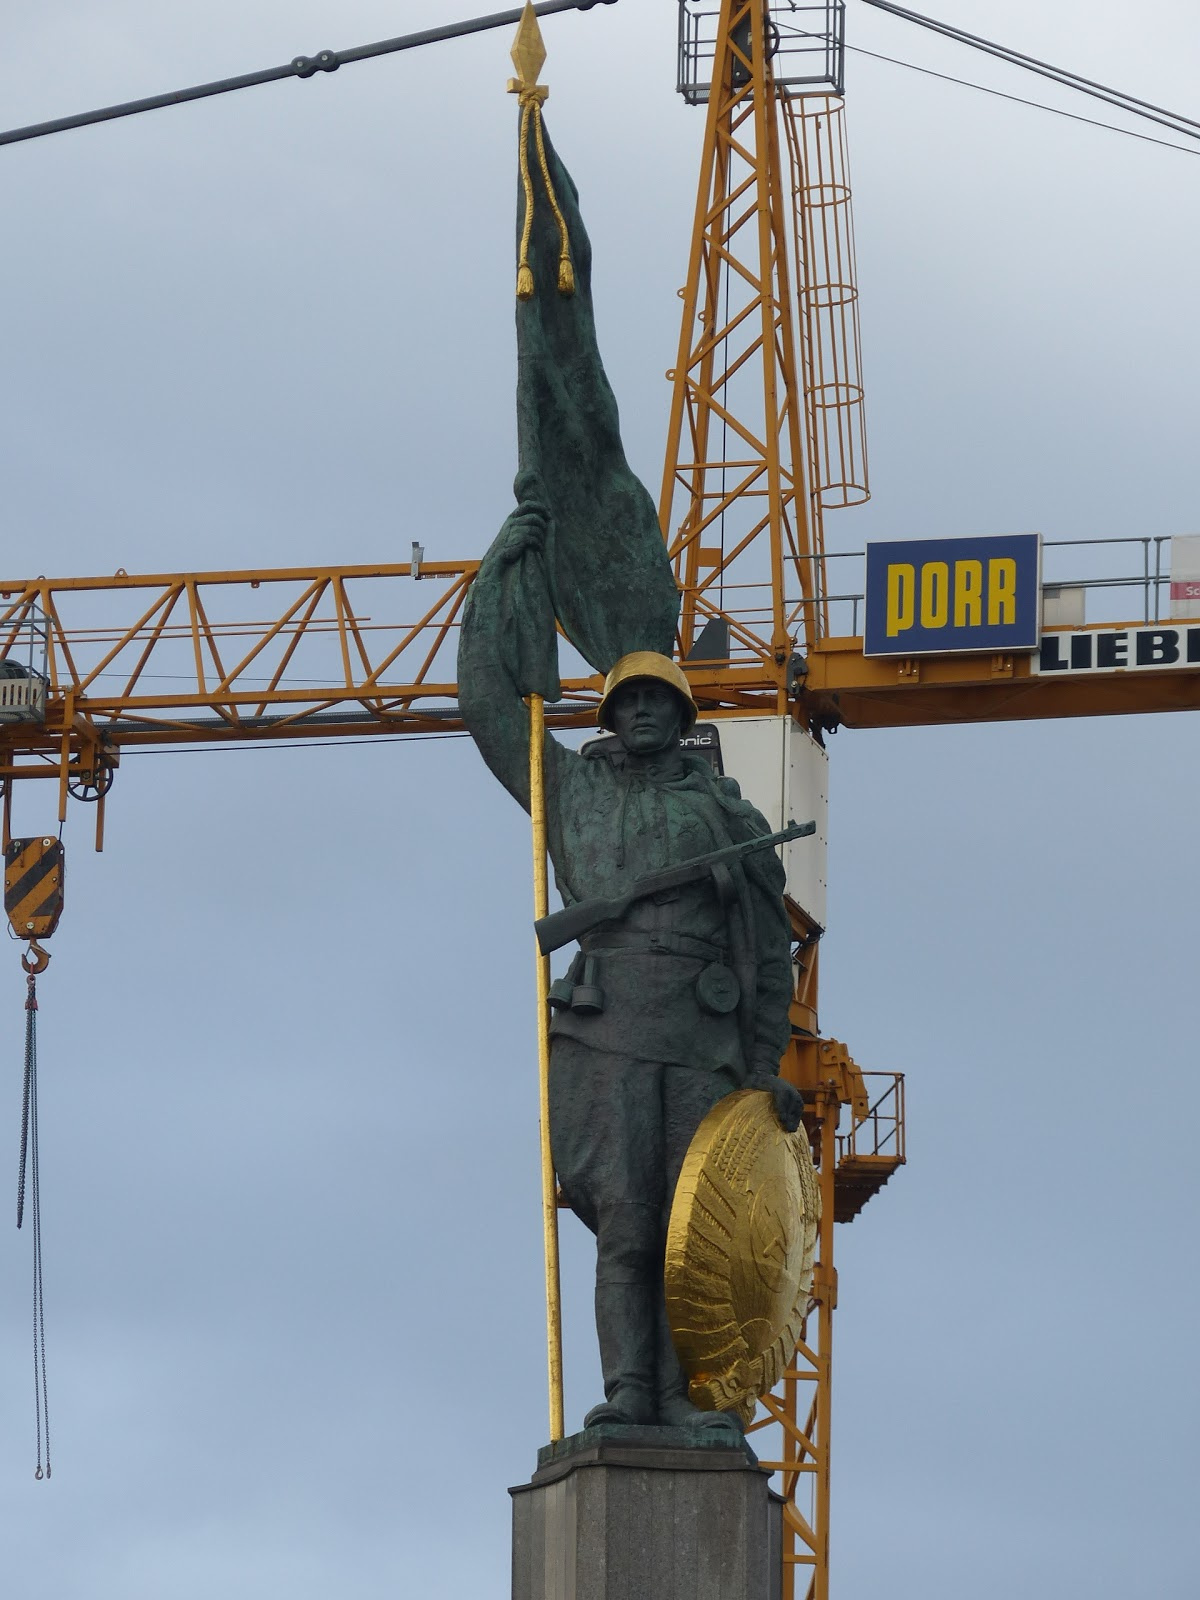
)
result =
(765, 426)
(767, 344)
(737, 465)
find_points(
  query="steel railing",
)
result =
(881, 1130)
(1144, 575)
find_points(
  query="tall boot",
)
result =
(625, 1323)
(675, 1410)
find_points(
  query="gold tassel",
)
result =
(524, 271)
(531, 111)
(566, 273)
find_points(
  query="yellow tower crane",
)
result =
(764, 436)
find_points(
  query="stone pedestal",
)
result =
(646, 1514)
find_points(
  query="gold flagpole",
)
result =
(541, 897)
(528, 55)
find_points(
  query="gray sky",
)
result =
(288, 1104)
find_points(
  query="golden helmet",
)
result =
(648, 664)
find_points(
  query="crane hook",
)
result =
(35, 959)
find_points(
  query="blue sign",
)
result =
(934, 596)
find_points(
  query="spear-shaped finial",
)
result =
(529, 56)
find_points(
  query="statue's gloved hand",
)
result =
(789, 1102)
(527, 526)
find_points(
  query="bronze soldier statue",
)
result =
(684, 997)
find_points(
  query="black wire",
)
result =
(1128, 102)
(31, 1148)
(41, 1397)
(1070, 80)
(298, 67)
(29, 1045)
(1038, 105)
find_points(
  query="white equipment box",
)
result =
(1185, 575)
(785, 773)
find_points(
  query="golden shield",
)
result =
(740, 1249)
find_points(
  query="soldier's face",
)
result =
(646, 716)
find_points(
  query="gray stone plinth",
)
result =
(636, 1514)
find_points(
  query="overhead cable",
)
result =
(1020, 100)
(298, 67)
(1070, 80)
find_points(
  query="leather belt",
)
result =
(666, 944)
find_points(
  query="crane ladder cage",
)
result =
(827, 301)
